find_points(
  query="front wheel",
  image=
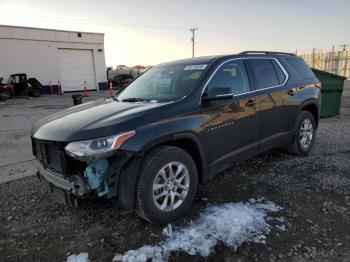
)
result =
(305, 135)
(6, 94)
(167, 185)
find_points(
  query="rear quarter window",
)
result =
(301, 68)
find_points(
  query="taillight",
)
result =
(318, 85)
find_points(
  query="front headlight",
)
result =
(97, 147)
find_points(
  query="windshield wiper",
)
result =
(134, 99)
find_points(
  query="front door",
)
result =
(20, 84)
(231, 126)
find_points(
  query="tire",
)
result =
(36, 92)
(149, 202)
(7, 94)
(297, 147)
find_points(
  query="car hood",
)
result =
(98, 118)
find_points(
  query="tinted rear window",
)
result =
(300, 67)
(264, 73)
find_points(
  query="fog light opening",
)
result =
(94, 173)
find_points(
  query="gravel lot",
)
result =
(314, 193)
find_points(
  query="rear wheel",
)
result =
(36, 92)
(9, 94)
(167, 185)
(304, 135)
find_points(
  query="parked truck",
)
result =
(19, 85)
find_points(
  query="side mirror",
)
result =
(218, 93)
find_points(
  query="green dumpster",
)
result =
(332, 89)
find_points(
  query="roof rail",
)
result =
(265, 52)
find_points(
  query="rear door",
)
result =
(269, 78)
(231, 126)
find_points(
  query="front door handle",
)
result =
(250, 103)
(291, 92)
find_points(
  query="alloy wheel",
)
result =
(171, 186)
(306, 133)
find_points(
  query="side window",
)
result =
(300, 67)
(21, 78)
(264, 73)
(231, 75)
(16, 80)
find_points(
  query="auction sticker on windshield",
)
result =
(195, 67)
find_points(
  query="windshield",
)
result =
(10, 80)
(163, 83)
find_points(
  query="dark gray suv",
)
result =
(176, 126)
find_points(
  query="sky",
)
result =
(154, 31)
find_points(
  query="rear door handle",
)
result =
(250, 103)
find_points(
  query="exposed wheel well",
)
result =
(190, 147)
(312, 108)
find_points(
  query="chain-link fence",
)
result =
(337, 62)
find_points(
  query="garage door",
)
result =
(75, 67)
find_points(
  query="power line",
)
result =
(150, 26)
(89, 22)
(225, 33)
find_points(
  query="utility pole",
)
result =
(333, 61)
(192, 39)
(344, 47)
(342, 57)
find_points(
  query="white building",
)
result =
(53, 55)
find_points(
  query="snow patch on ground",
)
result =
(82, 257)
(231, 224)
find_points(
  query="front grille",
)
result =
(59, 194)
(50, 154)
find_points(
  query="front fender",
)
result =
(149, 136)
(153, 134)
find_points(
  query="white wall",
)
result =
(35, 52)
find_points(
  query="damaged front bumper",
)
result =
(54, 178)
(100, 179)
(65, 190)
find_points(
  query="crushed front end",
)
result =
(74, 180)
